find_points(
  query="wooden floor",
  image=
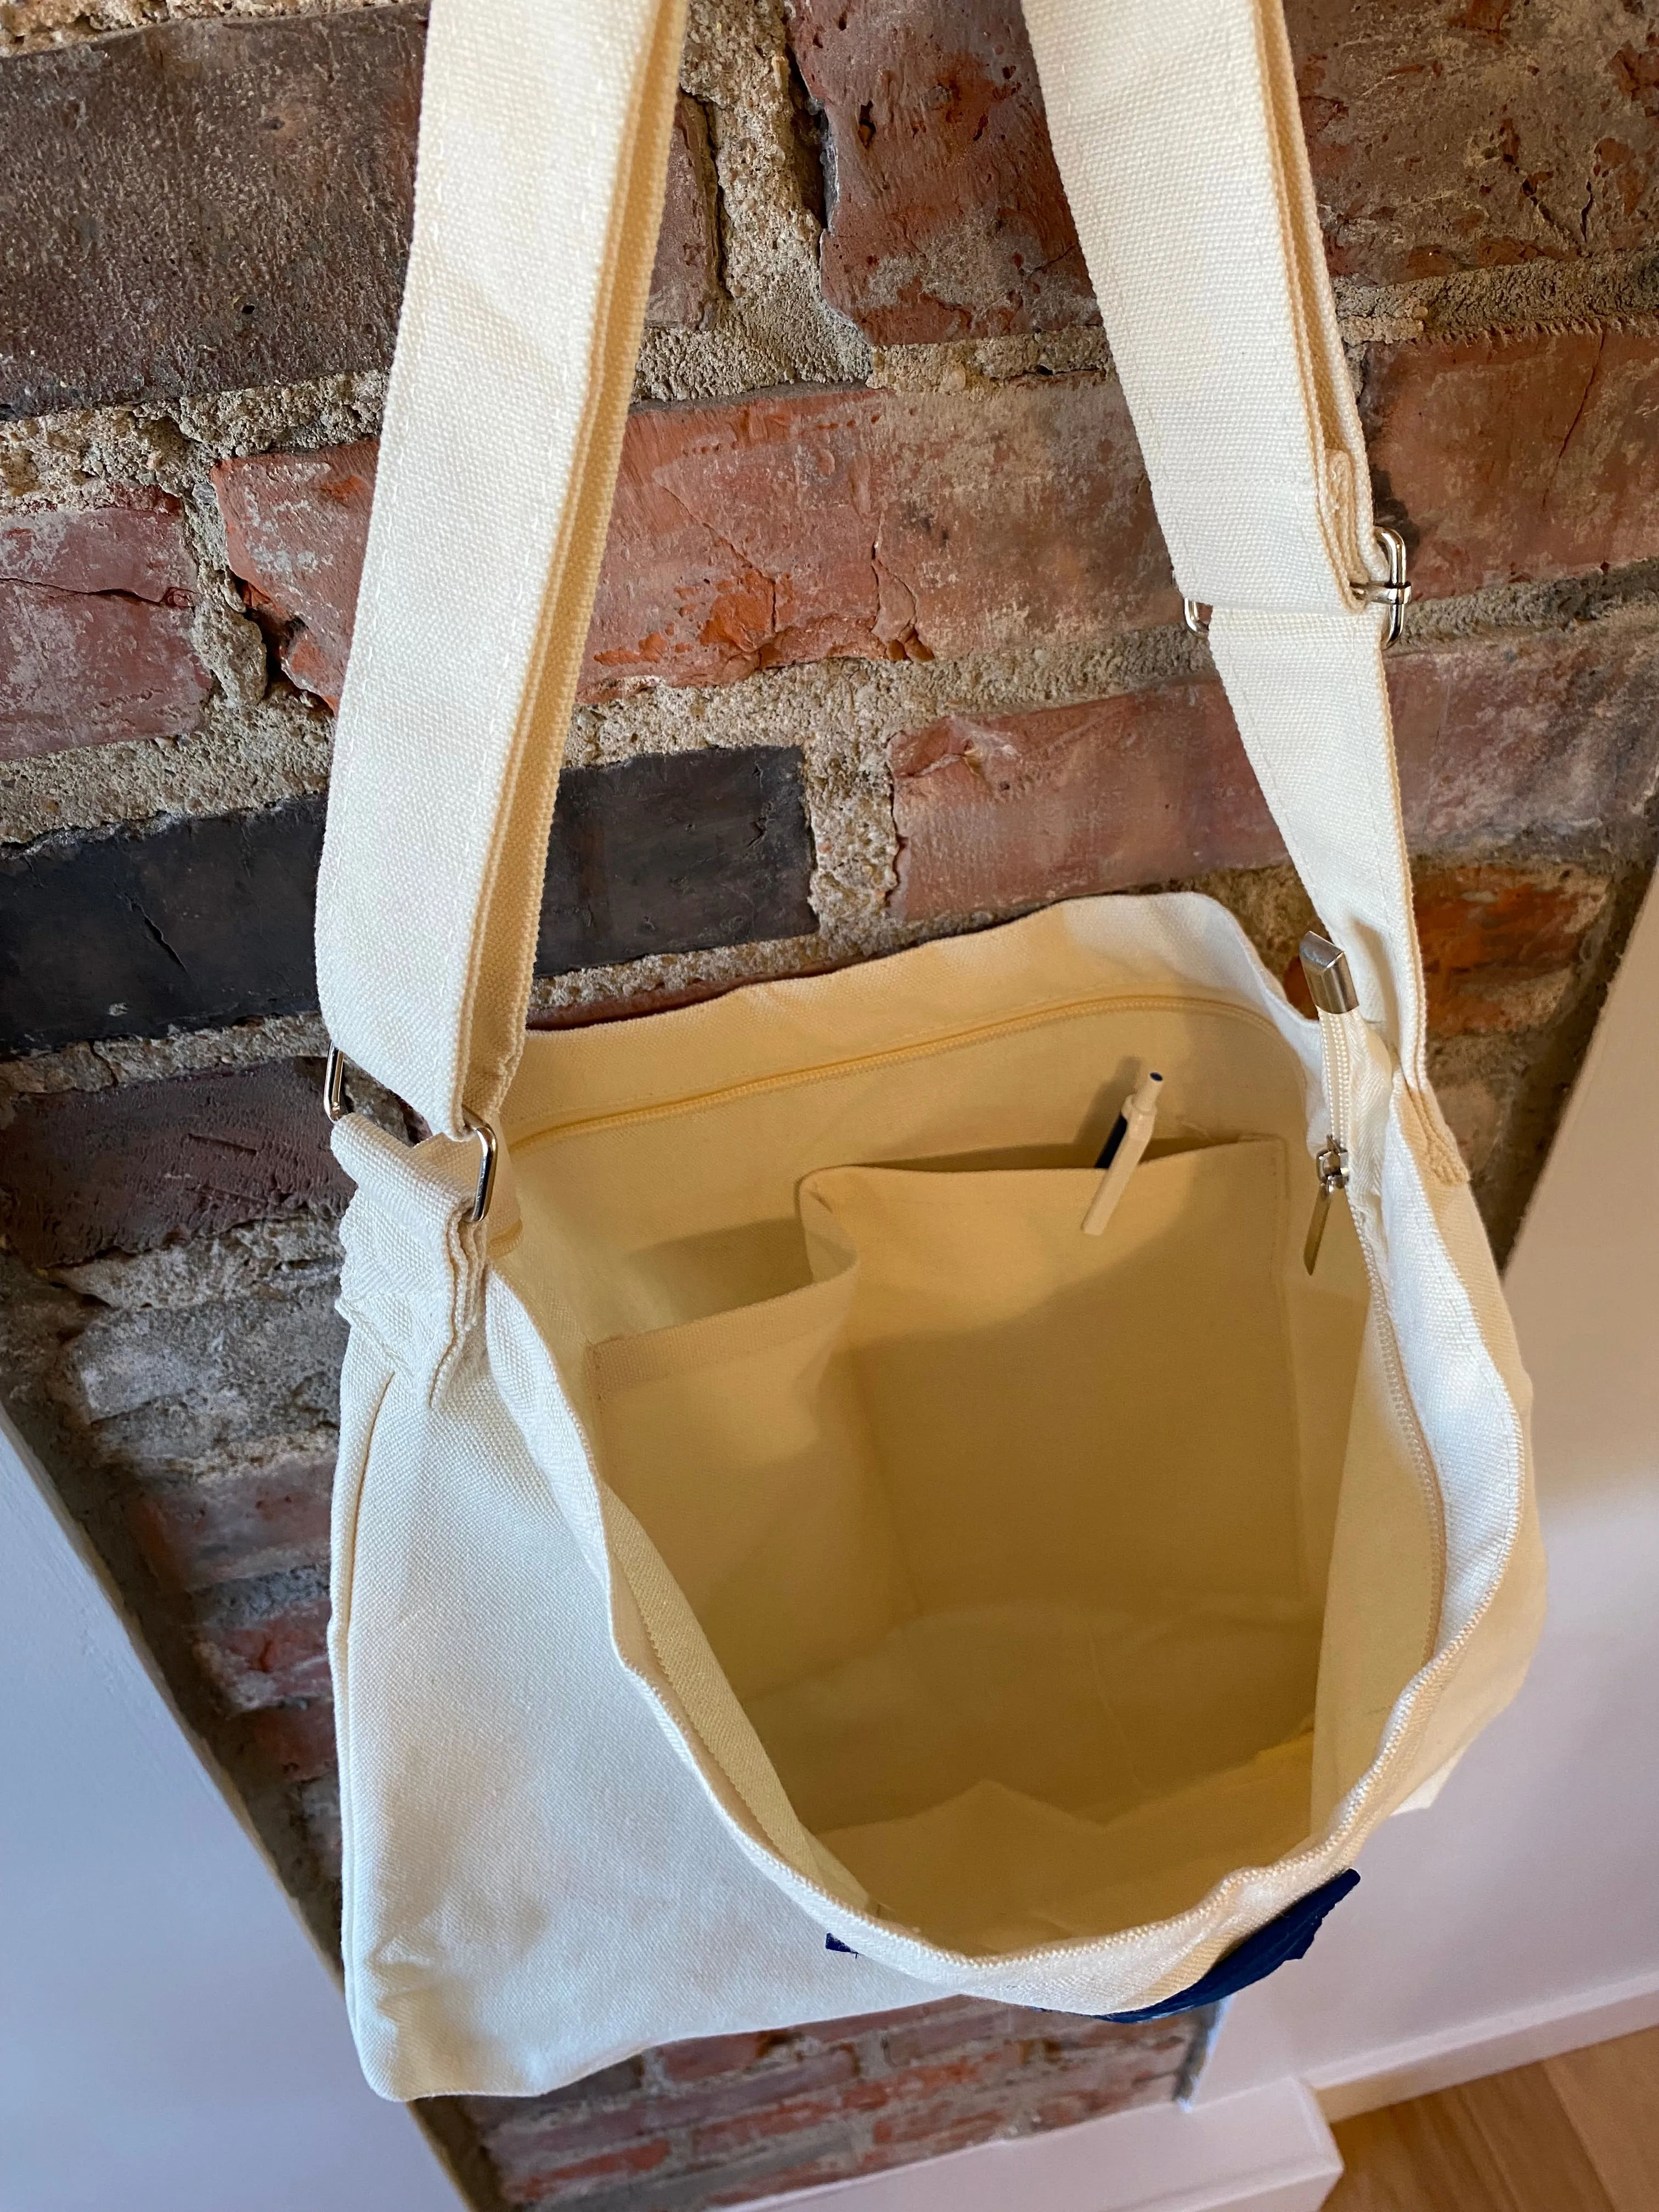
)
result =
(1578, 2134)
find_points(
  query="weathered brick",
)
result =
(170, 1390)
(1501, 944)
(295, 527)
(1462, 134)
(276, 1660)
(1141, 789)
(1506, 458)
(685, 278)
(201, 206)
(95, 611)
(296, 1743)
(675, 853)
(1443, 136)
(201, 921)
(134, 545)
(812, 2075)
(1494, 736)
(949, 218)
(253, 1520)
(882, 524)
(204, 206)
(713, 2057)
(799, 2106)
(1524, 730)
(135, 1166)
(635, 2159)
(209, 921)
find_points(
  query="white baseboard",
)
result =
(1267, 2150)
(1470, 2049)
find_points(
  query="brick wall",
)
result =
(886, 643)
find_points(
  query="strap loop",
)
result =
(1395, 594)
(336, 1106)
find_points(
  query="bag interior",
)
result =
(1011, 1543)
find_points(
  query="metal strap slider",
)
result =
(336, 1106)
(1395, 595)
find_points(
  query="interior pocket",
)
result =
(993, 1529)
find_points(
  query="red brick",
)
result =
(930, 2133)
(268, 1663)
(1506, 459)
(992, 813)
(949, 219)
(95, 608)
(1501, 944)
(685, 281)
(874, 524)
(837, 2160)
(135, 545)
(1461, 134)
(881, 524)
(295, 1741)
(959, 2028)
(715, 2057)
(253, 1521)
(1444, 135)
(140, 1165)
(1501, 734)
(729, 2111)
(541, 2136)
(1493, 737)
(532, 2185)
(295, 525)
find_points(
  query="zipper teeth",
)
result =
(1339, 1071)
(1011, 1024)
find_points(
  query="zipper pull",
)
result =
(1333, 1165)
(1330, 986)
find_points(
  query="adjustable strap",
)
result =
(1176, 127)
(543, 145)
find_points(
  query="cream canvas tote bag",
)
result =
(808, 1538)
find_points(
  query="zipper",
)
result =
(1332, 1158)
(891, 1056)
(1326, 967)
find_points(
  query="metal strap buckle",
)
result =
(336, 1106)
(1395, 595)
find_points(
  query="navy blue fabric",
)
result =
(834, 1943)
(1287, 1936)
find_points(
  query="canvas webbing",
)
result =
(544, 141)
(544, 145)
(1177, 131)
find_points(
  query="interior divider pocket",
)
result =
(992, 1506)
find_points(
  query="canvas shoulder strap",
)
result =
(543, 146)
(1179, 141)
(542, 149)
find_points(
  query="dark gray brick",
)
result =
(204, 206)
(202, 922)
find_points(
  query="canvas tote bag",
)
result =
(784, 1566)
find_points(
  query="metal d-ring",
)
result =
(336, 1106)
(1395, 595)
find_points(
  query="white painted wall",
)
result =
(170, 2040)
(1520, 1914)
